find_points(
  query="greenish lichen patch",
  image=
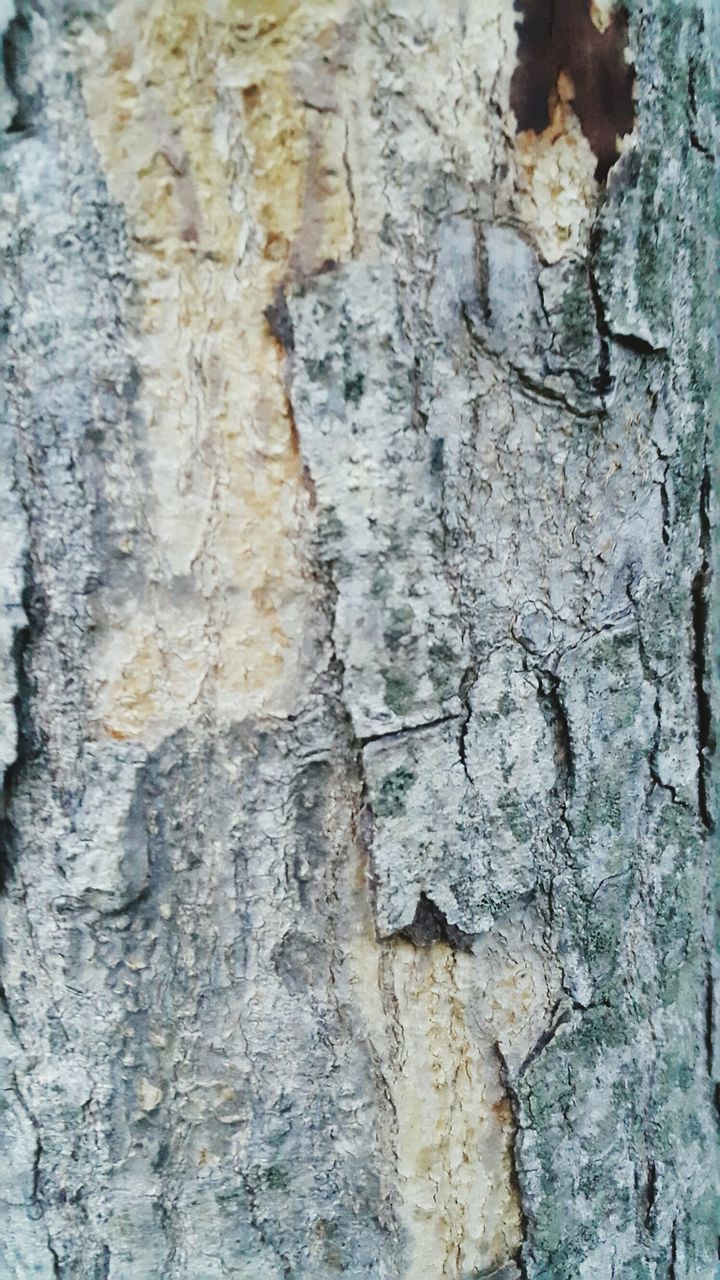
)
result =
(400, 689)
(388, 800)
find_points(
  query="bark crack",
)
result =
(664, 496)
(466, 685)
(710, 1020)
(547, 1036)
(672, 1264)
(515, 1138)
(695, 142)
(35, 1194)
(652, 677)
(603, 379)
(700, 618)
(395, 734)
(22, 640)
(553, 709)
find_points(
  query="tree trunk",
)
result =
(357, 646)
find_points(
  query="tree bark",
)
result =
(358, 648)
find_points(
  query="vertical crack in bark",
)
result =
(672, 1264)
(36, 1198)
(23, 638)
(553, 709)
(603, 380)
(710, 1021)
(466, 686)
(695, 142)
(650, 1193)
(700, 617)
(651, 677)
(654, 752)
(515, 1180)
(665, 503)
(350, 187)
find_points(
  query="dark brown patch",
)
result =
(558, 38)
(431, 925)
(279, 320)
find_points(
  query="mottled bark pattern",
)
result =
(357, 644)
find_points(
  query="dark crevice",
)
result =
(672, 1263)
(466, 685)
(15, 48)
(665, 505)
(700, 616)
(553, 709)
(106, 1259)
(430, 925)
(709, 1021)
(655, 749)
(35, 1190)
(547, 1036)
(33, 604)
(393, 734)
(602, 382)
(695, 142)
(534, 385)
(650, 1193)
(633, 342)
(541, 391)
(57, 1271)
(651, 677)
(5, 1006)
(515, 1182)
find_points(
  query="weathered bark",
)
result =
(358, 654)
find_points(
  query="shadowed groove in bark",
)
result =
(27, 747)
(516, 1182)
(700, 618)
(672, 1263)
(695, 142)
(15, 44)
(710, 1022)
(603, 379)
(650, 1192)
(557, 1020)
(466, 685)
(553, 709)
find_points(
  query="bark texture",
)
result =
(357, 642)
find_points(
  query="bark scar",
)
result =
(559, 44)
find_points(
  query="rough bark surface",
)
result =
(357, 649)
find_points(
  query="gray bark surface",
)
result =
(358, 650)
